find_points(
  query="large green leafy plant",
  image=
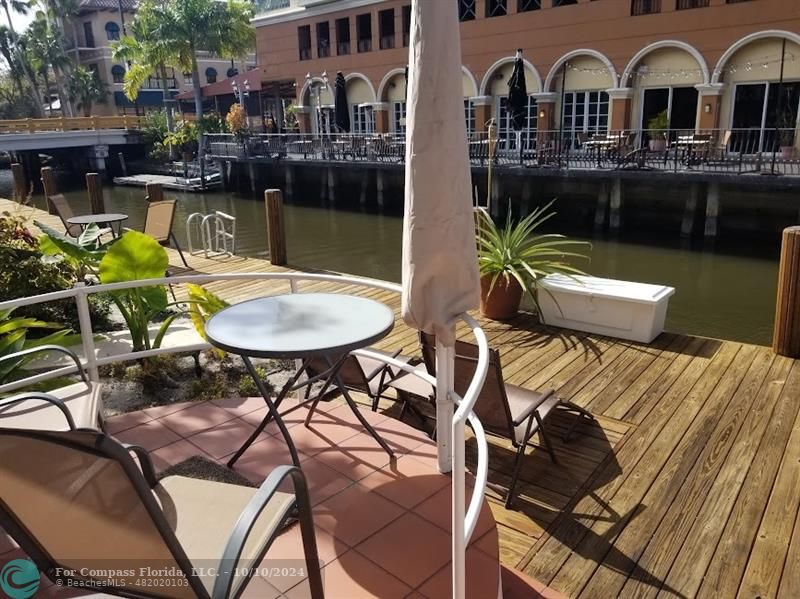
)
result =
(134, 257)
(518, 251)
(14, 338)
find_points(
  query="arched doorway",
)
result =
(762, 77)
(664, 76)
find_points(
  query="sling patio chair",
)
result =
(158, 224)
(506, 411)
(78, 404)
(90, 516)
(64, 211)
(365, 375)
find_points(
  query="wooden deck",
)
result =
(687, 484)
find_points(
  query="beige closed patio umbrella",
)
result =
(440, 263)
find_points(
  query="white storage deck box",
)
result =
(622, 309)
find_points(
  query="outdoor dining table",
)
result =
(304, 326)
(109, 220)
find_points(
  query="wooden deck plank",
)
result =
(767, 557)
(676, 496)
(689, 565)
(656, 476)
(700, 377)
(724, 574)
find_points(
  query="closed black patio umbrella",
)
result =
(518, 100)
(341, 110)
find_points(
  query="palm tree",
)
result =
(187, 26)
(145, 53)
(8, 50)
(20, 7)
(47, 52)
(55, 11)
(87, 89)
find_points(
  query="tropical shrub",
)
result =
(24, 273)
(14, 338)
(518, 251)
(203, 304)
(184, 138)
(237, 121)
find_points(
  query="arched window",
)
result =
(118, 73)
(232, 72)
(112, 30)
(211, 75)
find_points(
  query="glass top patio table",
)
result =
(304, 326)
(108, 219)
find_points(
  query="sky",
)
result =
(20, 22)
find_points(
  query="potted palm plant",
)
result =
(513, 259)
(657, 128)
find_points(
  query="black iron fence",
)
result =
(731, 151)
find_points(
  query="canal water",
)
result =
(726, 291)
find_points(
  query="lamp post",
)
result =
(241, 94)
(315, 88)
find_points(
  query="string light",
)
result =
(645, 71)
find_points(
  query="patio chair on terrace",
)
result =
(158, 224)
(507, 411)
(84, 511)
(77, 405)
(64, 211)
(368, 376)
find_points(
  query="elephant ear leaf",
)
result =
(134, 257)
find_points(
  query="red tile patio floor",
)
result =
(382, 527)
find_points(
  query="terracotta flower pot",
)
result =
(503, 301)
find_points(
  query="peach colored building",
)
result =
(592, 65)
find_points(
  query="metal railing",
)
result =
(721, 151)
(464, 520)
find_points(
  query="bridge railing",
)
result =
(69, 124)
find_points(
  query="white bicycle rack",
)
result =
(222, 242)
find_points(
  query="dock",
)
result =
(192, 184)
(686, 483)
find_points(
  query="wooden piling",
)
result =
(155, 192)
(21, 190)
(95, 188)
(276, 229)
(786, 336)
(50, 187)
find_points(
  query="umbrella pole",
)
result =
(445, 362)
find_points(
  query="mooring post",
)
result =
(712, 210)
(331, 176)
(615, 205)
(689, 210)
(362, 197)
(276, 229)
(288, 171)
(50, 187)
(251, 171)
(95, 188)
(154, 191)
(379, 183)
(21, 190)
(122, 164)
(602, 207)
(786, 336)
